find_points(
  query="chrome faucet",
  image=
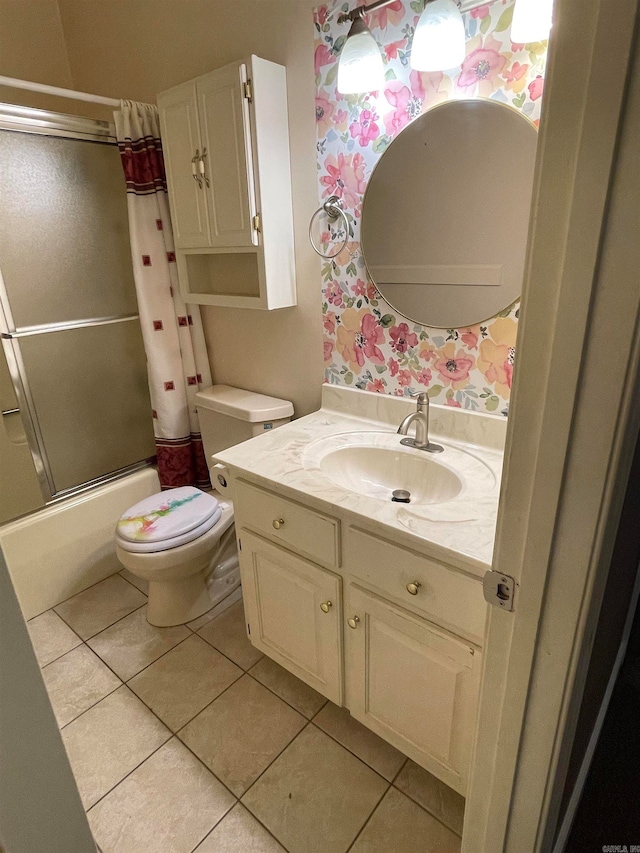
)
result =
(421, 418)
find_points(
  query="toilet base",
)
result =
(174, 603)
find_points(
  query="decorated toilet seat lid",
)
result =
(168, 515)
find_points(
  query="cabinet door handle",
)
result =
(326, 606)
(413, 587)
(278, 523)
(353, 622)
(201, 169)
(194, 168)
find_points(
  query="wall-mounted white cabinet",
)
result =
(226, 145)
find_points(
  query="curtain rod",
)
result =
(15, 83)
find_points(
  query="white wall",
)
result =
(136, 49)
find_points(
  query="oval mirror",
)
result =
(446, 213)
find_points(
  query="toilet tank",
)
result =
(230, 415)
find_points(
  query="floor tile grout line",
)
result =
(126, 776)
(197, 633)
(93, 636)
(217, 778)
(355, 754)
(257, 779)
(310, 723)
(226, 814)
(425, 809)
(373, 811)
(82, 713)
(122, 684)
(175, 735)
(124, 578)
(102, 580)
(119, 619)
(217, 823)
(72, 649)
(69, 597)
(401, 768)
(184, 725)
(320, 709)
(361, 760)
(282, 699)
(164, 654)
(75, 648)
(270, 763)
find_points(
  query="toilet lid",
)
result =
(169, 515)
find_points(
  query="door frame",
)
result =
(569, 448)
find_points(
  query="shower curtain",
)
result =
(177, 362)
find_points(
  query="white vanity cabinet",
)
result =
(294, 613)
(401, 650)
(226, 145)
(414, 685)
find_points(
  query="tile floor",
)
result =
(188, 740)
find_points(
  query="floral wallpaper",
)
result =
(367, 344)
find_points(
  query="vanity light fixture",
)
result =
(438, 44)
(531, 21)
(360, 67)
(439, 37)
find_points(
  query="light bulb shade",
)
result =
(439, 38)
(360, 68)
(531, 21)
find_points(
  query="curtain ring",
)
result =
(333, 208)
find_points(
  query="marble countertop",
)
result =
(459, 532)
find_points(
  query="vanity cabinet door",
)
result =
(412, 684)
(178, 110)
(294, 613)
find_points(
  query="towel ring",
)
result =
(333, 208)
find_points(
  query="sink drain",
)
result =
(401, 496)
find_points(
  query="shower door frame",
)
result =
(46, 123)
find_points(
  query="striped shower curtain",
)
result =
(177, 360)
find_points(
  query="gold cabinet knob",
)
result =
(278, 523)
(326, 606)
(353, 621)
(412, 588)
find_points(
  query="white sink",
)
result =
(375, 464)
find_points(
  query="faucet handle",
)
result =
(421, 396)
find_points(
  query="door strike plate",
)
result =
(498, 590)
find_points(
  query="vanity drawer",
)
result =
(441, 595)
(303, 530)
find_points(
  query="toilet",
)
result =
(182, 541)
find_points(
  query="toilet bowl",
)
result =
(182, 541)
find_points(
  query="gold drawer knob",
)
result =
(326, 606)
(412, 588)
(278, 523)
(353, 621)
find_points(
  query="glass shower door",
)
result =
(68, 308)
